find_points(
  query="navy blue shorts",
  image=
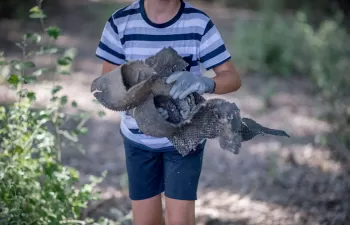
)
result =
(151, 173)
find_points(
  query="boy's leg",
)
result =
(181, 182)
(148, 211)
(146, 183)
(179, 212)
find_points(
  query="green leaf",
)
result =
(47, 50)
(64, 61)
(18, 149)
(35, 9)
(54, 32)
(54, 99)
(40, 71)
(56, 89)
(22, 65)
(74, 104)
(31, 95)
(16, 64)
(50, 50)
(2, 111)
(13, 80)
(83, 130)
(28, 64)
(29, 79)
(32, 37)
(64, 100)
(37, 15)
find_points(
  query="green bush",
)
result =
(35, 187)
(280, 46)
(274, 47)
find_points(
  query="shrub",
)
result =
(35, 187)
(276, 45)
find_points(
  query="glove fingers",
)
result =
(173, 90)
(186, 83)
(178, 88)
(178, 93)
(192, 88)
(173, 77)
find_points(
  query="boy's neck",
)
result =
(161, 11)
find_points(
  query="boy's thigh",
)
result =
(145, 172)
(181, 174)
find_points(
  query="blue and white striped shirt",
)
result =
(130, 35)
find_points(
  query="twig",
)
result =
(39, 3)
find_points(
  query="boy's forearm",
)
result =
(227, 82)
(107, 67)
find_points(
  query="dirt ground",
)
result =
(272, 181)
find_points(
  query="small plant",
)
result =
(35, 187)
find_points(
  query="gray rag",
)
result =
(139, 88)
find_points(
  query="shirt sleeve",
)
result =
(212, 50)
(110, 48)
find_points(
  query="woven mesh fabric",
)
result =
(139, 87)
(214, 118)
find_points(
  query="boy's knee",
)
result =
(178, 221)
(179, 212)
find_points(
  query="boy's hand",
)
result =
(163, 113)
(187, 83)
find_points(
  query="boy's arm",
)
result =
(227, 78)
(214, 55)
(107, 67)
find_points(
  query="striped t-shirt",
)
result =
(130, 35)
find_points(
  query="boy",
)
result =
(153, 165)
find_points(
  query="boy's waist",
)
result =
(129, 123)
(134, 134)
(130, 130)
(128, 120)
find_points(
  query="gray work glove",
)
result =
(163, 113)
(187, 83)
